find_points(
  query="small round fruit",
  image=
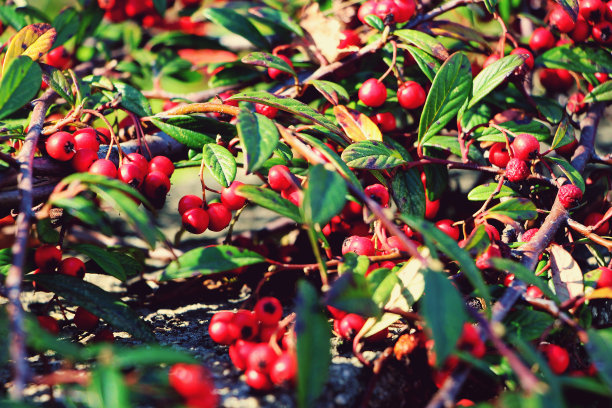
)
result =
(525, 147)
(349, 38)
(378, 193)
(61, 146)
(139, 160)
(358, 245)
(131, 174)
(195, 220)
(72, 266)
(366, 9)
(268, 111)
(517, 170)
(219, 217)
(47, 257)
(605, 278)
(592, 219)
(385, 121)
(575, 103)
(156, 185)
(231, 198)
(83, 159)
(484, 260)
(268, 310)
(223, 332)
(279, 177)
(257, 380)
(103, 167)
(490, 60)
(189, 380)
(558, 358)
(247, 324)
(499, 155)
(239, 352)
(556, 79)
(350, 325)
(561, 20)
(569, 195)
(373, 93)
(284, 369)
(447, 227)
(405, 10)
(431, 208)
(188, 202)
(277, 73)
(524, 51)
(262, 358)
(581, 31)
(541, 39)
(534, 292)
(394, 242)
(161, 164)
(58, 58)
(411, 95)
(86, 138)
(592, 10)
(528, 235)
(84, 320)
(386, 10)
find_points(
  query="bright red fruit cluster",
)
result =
(194, 384)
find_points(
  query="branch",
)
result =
(439, 11)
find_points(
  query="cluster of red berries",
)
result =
(594, 21)
(198, 216)
(258, 344)
(524, 148)
(194, 383)
(389, 11)
(347, 325)
(410, 94)
(281, 179)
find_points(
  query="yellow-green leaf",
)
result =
(356, 125)
(33, 41)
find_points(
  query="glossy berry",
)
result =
(277, 73)
(257, 380)
(86, 138)
(104, 167)
(195, 220)
(527, 235)
(556, 79)
(447, 227)
(219, 217)
(385, 121)
(373, 93)
(592, 10)
(61, 146)
(366, 9)
(358, 245)
(575, 103)
(484, 260)
(239, 352)
(47, 257)
(470, 340)
(268, 111)
(188, 202)
(84, 320)
(567, 150)
(262, 358)
(349, 38)
(386, 10)
(378, 193)
(190, 380)
(83, 159)
(49, 324)
(223, 332)
(156, 185)
(581, 31)
(561, 20)
(431, 208)
(279, 177)
(284, 370)
(525, 147)
(499, 155)
(592, 219)
(524, 51)
(161, 164)
(72, 266)
(541, 39)
(350, 325)
(404, 10)
(247, 324)
(58, 58)
(411, 95)
(490, 60)
(394, 242)
(534, 292)
(508, 279)
(517, 170)
(139, 160)
(602, 32)
(605, 278)
(601, 77)
(131, 174)
(293, 194)
(268, 310)
(558, 358)
(569, 195)
(231, 198)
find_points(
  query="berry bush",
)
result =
(426, 188)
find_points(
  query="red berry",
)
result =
(498, 155)
(267, 111)
(556, 80)
(508, 279)
(277, 73)
(567, 150)
(239, 352)
(490, 60)
(156, 185)
(219, 217)
(484, 260)
(104, 336)
(394, 242)
(574, 103)
(529, 61)
(58, 58)
(605, 278)
(349, 38)
(188, 202)
(366, 9)
(378, 193)
(104, 167)
(592, 10)
(293, 194)
(411, 95)
(385, 121)
(373, 93)
(601, 76)
(386, 10)
(405, 10)
(86, 138)
(431, 208)
(525, 147)
(247, 324)
(279, 177)
(569, 195)
(447, 227)
(527, 235)
(139, 160)
(534, 292)
(492, 232)
(84, 320)
(517, 170)
(284, 370)
(73, 267)
(190, 380)
(541, 39)
(561, 20)
(581, 31)
(223, 332)
(262, 358)
(161, 164)
(358, 245)
(257, 380)
(268, 310)
(231, 198)
(592, 219)
(350, 325)
(49, 324)
(558, 358)
(131, 174)
(195, 220)
(46, 257)
(83, 159)
(60, 146)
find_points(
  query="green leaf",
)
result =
(490, 5)
(56, 79)
(493, 75)
(288, 105)
(584, 59)
(220, 162)
(600, 93)
(258, 136)
(66, 24)
(278, 18)
(324, 196)
(10, 15)
(534, 127)
(83, 209)
(160, 6)
(564, 134)
(449, 246)
(351, 294)
(150, 355)
(374, 21)
(233, 75)
(449, 90)
(451, 143)
(19, 84)
(97, 301)
(313, 348)
(371, 154)
(550, 108)
(194, 131)
(570, 172)
(444, 313)
(408, 192)
(104, 258)
(483, 192)
(264, 59)
(332, 91)
(132, 99)
(237, 24)
(527, 323)
(598, 347)
(424, 42)
(209, 260)
(266, 198)
(524, 274)
(428, 64)
(107, 388)
(517, 208)
(6, 260)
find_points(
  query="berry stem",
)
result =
(317, 253)
(112, 132)
(393, 62)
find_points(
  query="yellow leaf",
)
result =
(33, 41)
(356, 125)
(601, 293)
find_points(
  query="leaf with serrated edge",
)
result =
(32, 41)
(371, 155)
(266, 198)
(220, 162)
(258, 136)
(449, 90)
(493, 75)
(566, 274)
(356, 125)
(264, 59)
